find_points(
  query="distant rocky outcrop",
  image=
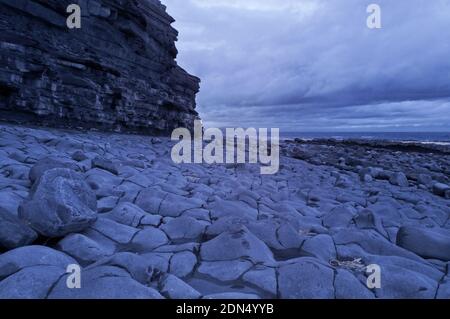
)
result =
(118, 72)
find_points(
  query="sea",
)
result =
(441, 138)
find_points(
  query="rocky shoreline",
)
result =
(141, 226)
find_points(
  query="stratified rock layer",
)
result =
(118, 72)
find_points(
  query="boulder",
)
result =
(148, 239)
(444, 289)
(305, 278)
(224, 270)
(127, 214)
(262, 277)
(85, 250)
(348, 287)
(234, 245)
(30, 283)
(104, 282)
(60, 203)
(320, 246)
(183, 228)
(441, 189)
(120, 234)
(45, 164)
(13, 232)
(29, 256)
(182, 264)
(137, 266)
(399, 179)
(400, 283)
(106, 164)
(174, 288)
(426, 242)
(340, 216)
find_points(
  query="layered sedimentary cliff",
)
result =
(117, 72)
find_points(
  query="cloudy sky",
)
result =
(314, 65)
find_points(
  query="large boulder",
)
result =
(60, 203)
(13, 232)
(428, 243)
(48, 163)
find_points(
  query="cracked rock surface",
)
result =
(140, 226)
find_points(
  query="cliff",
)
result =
(117, 72)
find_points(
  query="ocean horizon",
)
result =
(420, 137)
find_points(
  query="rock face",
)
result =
(118, 72)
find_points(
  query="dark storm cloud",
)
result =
(309, 64)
